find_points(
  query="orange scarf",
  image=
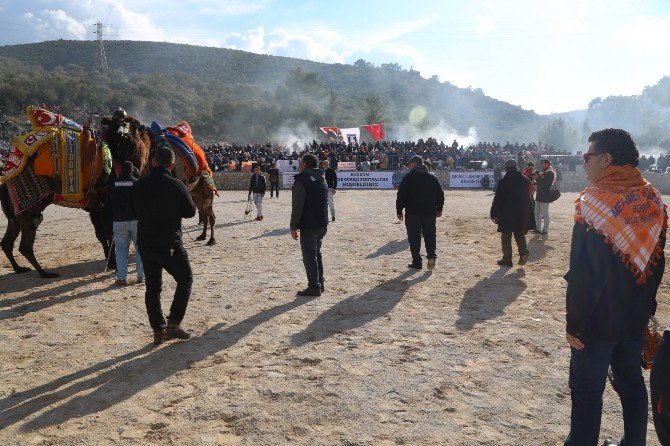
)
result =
(625, 207)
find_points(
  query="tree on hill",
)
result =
(374, 109)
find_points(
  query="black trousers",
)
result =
(506, 240)
(416, 226)
(310, 245)
(273, 187)
(175, 261)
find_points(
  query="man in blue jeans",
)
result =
(124, 224)
(309, 214)
(616, 266)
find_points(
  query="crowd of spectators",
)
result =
(382, 155)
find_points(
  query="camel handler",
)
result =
(160, 202)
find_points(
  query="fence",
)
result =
(572, 181)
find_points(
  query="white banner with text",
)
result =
(346, 165)
(365, 180)
(469, 179)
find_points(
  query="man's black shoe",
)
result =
(174, 331)
(610, 442)
(310, 292)
(159, 336)
(415, 265)
(505, 263)
(333, 218)
(322, 288)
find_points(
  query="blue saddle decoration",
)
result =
(176, 143)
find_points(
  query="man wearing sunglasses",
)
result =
(616, 266)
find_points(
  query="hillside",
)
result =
(236, 95)
(250, 92)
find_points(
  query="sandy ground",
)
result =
(468, 355)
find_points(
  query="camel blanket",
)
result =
(27, 189)
(56, 147)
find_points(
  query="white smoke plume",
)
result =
(441, 132)
(293, 135)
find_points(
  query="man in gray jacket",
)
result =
(309, 214)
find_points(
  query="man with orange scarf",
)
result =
(616, 266)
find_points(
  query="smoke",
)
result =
(441, 132)
(290, 135)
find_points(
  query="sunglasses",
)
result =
(588, 156)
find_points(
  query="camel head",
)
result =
(128, 139)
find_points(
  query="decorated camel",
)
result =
(192, 168)
(58, 161)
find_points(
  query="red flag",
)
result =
(332, 132)
(376, 131)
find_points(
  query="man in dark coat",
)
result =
(257, 187)
(421, 196)
(544, 180)
(331, 180)
(160, 202)
(274, 179)
(511, 211)
(309, 215)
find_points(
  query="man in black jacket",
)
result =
(511, 210)
(160, 202)
(257, 187)
(421, 196)
(616, 267)
(331, 180)
(544, 180)
(309, 214)
(274, 179)
(124, 224)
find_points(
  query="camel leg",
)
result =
(212, 219)
(28, 233)
(203, 236)
(11, 234)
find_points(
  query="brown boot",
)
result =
(174, 331)
(159, 336)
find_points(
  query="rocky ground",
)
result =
(469, 354)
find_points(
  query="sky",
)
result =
(547, 56)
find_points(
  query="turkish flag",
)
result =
(332, 132)
(376, 131)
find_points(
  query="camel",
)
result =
(191, 167)
(127, 140)
(203, 196)
(27, 222)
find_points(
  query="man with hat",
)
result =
(511, 211)
(421, 196)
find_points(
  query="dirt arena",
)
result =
(470, 354)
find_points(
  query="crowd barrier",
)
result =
(571, 182)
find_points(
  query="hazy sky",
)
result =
(547, 56)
